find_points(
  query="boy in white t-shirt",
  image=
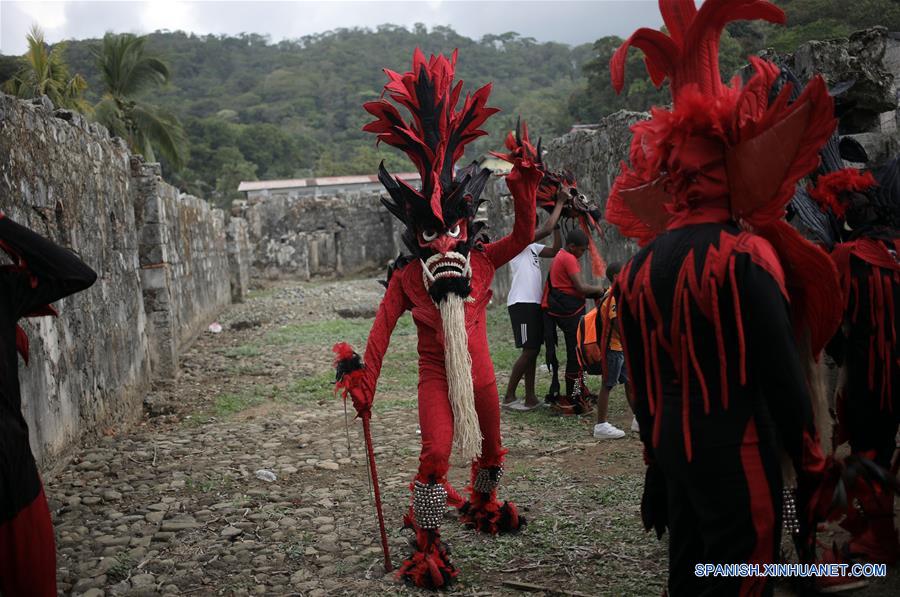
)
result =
(524, 305)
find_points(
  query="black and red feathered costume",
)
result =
(866, 209)
(446, 287)
(40, 274)
(724, 298)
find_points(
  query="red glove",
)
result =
(350, 375)
(525, 173)
(362, 401)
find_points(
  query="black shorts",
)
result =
(528, 324)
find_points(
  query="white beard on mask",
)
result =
(458, 366)
(457, 359)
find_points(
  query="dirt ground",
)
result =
(174, 506)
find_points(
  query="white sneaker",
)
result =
(634, 425)
(607, 431)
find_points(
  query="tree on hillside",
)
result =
(43, 71)
(294, 108)
(126, 73)
(809, 20)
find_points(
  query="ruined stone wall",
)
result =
(871, 60)
(184, 260)
(162, 262)
(69, 181)
(308, 236)
(240, 258)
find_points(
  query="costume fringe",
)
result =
(429, 564)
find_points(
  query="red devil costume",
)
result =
(41, 273)
(866, 209)
(446, 286)
(561, 311)
(724, 297)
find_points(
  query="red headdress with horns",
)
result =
(724, 152)
(435, 139)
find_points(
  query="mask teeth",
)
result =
(467, 270)
(427, 273)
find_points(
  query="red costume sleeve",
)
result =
(394, 303)
(523, 183)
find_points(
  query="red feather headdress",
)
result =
(435, 138)
(829, 187)
(725, 152)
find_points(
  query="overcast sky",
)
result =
(571, 22)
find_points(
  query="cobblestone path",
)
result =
(174, 506)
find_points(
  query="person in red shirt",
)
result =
(563, 305)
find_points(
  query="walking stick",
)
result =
(349, 370)
(388, 567)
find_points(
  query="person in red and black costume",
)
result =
(41, 273)
(445, 283)
(725, 301)
(866, 209)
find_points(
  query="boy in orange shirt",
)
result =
(615, 371)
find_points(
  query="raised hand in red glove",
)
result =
(349, 379)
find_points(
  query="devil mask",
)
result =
(439, 217)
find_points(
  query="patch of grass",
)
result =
(311, 388)
(260, 293)
(229, 404)
(122, 568)
(385, 404)
(239, 369)
(325, 333)
(209, 482)
(243, 351)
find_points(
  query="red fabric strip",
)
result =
(761, 508)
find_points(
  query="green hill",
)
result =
(255, 109)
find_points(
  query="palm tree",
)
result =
(44, 72)
(127, 72)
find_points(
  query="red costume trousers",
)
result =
(28, 552)
(436, 418)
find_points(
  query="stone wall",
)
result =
(185, 270)
(240, 258)
(594, 156)
(308, 236)
(161, 258)
(871, 59)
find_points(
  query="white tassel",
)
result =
(458, 365)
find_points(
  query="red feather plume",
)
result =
(829, 187)
(438, 133)
(725, 151)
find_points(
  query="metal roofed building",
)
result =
(325, 186)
